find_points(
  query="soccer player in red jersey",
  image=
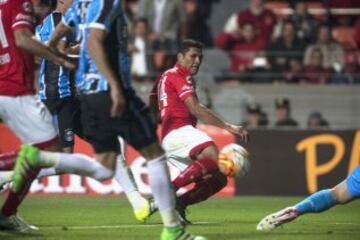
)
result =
(192, 151)
(19, 108)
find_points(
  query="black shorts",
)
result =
(66, 113)
(102, 130)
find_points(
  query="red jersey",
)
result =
(171, 90)
(16, 65)
(264, 22)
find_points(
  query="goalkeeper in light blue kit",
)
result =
(344, 192)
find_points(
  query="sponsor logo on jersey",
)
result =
(69, 135)
(4, 59)
(186, 88)
(24, 17)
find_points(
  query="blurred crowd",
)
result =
(263, 46)
(256, 117)
(293, 48)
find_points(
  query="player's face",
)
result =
(191, 60)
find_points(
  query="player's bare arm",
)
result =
(24, 40)
(97, 53)
(72, 50)
(208, 116)
(60, 32)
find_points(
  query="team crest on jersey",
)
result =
(69, 135)
(28, 7)
(186, 88)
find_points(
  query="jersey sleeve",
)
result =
(68, 18)
(22, 15)
(100, 14)
(184, 88)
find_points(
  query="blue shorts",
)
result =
(353, 183)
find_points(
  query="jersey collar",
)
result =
(182, 70)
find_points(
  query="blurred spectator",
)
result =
(288, 46)
(258, 71)
(141, 65)
(295, 73)
(332, 52)
(255, 117)
(316, 120)
(283, 113)
(198, 14)
(264, 19)
(242, 46)
(357, 32)
(315, 72)
(351, 72)
(342, 19)
(167, 21)
(304, 22)
(131, 9)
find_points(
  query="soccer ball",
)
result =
(234, 160)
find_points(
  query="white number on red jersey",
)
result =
(3, 39)
(162, 94)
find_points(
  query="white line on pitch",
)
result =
(119, 226)
(346, 223)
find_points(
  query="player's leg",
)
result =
(31, 123)
(65, 114)
(142, 207)
(209, 186)
(193, 148)
(140, 132)
(204, 163)
(318, 202)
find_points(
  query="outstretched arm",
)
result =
(24, 40)
(210, 117)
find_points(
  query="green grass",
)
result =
(222, 219)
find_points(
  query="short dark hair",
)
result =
(186, 44)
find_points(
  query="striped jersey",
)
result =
(106, 15)
(54, 80)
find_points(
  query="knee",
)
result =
(341, 193)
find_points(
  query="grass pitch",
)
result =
(110, 217)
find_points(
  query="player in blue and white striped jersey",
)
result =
(110, 106)
(57, 85)
(74, 19)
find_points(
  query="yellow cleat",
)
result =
(146, 211)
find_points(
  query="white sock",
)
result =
(44, 172)
(125, 178)
(79, 164)
(162, 189)
(5, 177)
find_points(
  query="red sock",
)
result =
(7, 160)
(204, 189)
(195, 171)
(14, 199)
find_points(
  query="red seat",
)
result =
(345, 36)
